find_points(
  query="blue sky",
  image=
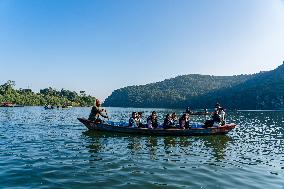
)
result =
(99, 46)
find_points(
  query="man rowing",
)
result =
(96, 112)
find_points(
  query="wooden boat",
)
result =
(66, 107)
(221, 130)
(49, 107)
(10, 105)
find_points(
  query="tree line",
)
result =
(8, 93)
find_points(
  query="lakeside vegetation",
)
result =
(264, 90)
(8, 93)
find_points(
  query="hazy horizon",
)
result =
(100, 46)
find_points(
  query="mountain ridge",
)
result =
(245, 91)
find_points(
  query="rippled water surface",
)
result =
(51, 149)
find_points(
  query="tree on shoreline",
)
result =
(27, 97)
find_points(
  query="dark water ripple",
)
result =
(51, 149)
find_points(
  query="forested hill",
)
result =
(264, 91)
(172, 93)
(51, 96)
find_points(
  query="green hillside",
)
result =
(171, 92)
(264, 90)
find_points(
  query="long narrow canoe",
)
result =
(221, 130)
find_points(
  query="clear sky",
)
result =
(102, 45)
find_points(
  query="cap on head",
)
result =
(98, 103)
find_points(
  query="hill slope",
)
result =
(259, 91)
(264, 91)
(172, 92)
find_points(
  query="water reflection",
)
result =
(218, 144)
(154, 148)
(134, 144)
(94, 146)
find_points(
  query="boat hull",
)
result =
(221, 130)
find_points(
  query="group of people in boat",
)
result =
(170, 120)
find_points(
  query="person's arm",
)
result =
(149, 124)
(182, 125)
(135, 123)
(103, 115)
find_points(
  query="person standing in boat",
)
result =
(133, 121)
(222, 116)
(96, 112)
(152, 121)
(184, 121)
(221, 113)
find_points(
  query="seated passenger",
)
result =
(152, 121)
(184, 121)
(139, 120)
(215, 119)
(133, 120)
(168, 122)
(174, 119)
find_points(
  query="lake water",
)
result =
(51, 149)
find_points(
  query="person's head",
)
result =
(98, 103)
(174, 115)
(217, 105)
(186, 115)
(168, 116)
(154, 114)
(140, 114)
(134, 114)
